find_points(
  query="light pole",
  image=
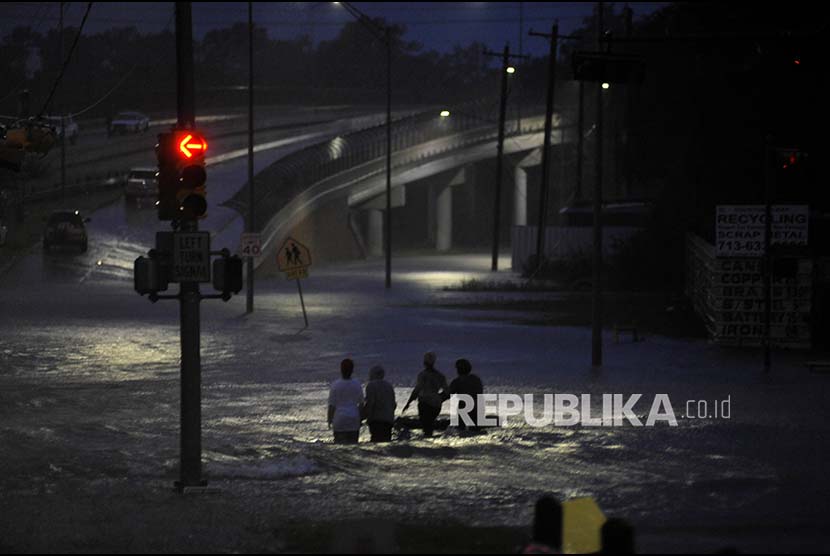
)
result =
(249, 291)
(596, 274)
(506, 70)
(62, 118)
(384, 35)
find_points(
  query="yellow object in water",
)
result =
(581, 523)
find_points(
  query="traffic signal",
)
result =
(227, 275)
(793, 181)
(790, 159)
(182, 176)
(150, 274)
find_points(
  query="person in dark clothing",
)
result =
(469, 384)
(547, 528)
(379, 408)
(430, 391)
(617, 537)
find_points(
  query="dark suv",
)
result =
(65, 228)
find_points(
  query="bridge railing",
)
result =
(296, 172)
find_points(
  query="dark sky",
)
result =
(437, 25)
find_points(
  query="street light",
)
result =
(606, 85)
(445, 113)
(383, 34)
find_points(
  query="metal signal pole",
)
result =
(190, 467)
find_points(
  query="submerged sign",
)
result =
(740, 230)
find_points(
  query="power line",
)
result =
(40, 20)
(124, 77)
(66, 62)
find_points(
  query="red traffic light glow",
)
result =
(192, 144)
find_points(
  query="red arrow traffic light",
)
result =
(182, 176)
(190, 145)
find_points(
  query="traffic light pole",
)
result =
(190, 470)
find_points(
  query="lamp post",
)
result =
(506, 70)
(249, 290)
(384, 35)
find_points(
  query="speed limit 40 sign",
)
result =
(250, 245)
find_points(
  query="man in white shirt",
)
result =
(345, 404)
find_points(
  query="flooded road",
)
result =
(90, 395)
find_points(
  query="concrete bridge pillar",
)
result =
(534, 158)
(443, 216)
(520, 197)
(375, 238)
(443, 212)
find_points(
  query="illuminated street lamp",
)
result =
(511, 70)
(445, 113)
(606, 85)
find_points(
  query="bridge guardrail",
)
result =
(366, 149)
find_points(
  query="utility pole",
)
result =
(543, 191)
(505, 64)
(769, 156)
(190, 470)
(596, 320)
(521, 52)
(579, 139)
(499, 159)
(388, 220)
(628, 16)
(249, 290)
(384, 35)
(60, 110)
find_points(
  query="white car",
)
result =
(64, 127)
(141, 182)
(129, 122)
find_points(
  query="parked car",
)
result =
(129, 122)
(141, 182)
(65, 228)
(66, 128)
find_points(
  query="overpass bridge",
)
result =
(331, 195)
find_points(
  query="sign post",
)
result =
(294, 258)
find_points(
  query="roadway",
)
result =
(121, 231)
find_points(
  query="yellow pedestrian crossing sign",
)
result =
(294, 258)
